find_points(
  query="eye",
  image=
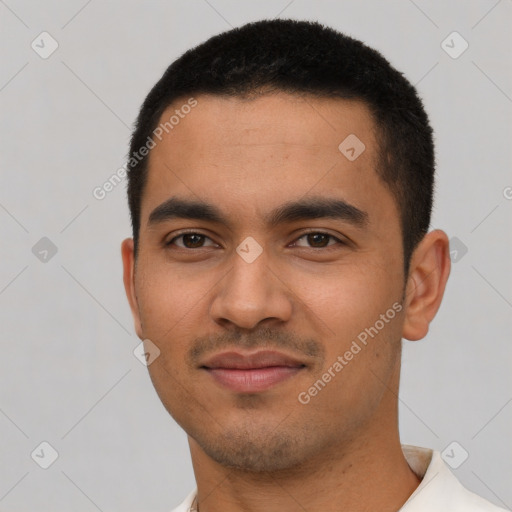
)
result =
(190, 240)
(319, 239)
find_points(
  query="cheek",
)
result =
(360, 321)
(360, 363)
(348, 298)
(164, 289)
(166, 308)
(166, 304)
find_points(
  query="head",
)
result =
(301, 165)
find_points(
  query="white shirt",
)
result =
(439, 490)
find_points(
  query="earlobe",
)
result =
(128, 257)
(428, 274)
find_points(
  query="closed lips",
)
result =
(263, 359)
(251, 373)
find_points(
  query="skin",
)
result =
(308, 298)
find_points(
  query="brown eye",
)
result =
(192, 241)
(189, 241)
(319, 240)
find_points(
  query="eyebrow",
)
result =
(306, 209)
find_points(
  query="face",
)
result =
(276, 298)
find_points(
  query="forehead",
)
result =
(270, 119)
(251, 155)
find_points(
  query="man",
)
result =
(280, 188)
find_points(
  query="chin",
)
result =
(258, 451)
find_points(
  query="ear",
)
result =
(128, 256)
(428, 273)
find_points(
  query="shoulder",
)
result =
(468, 501)
(465, 500)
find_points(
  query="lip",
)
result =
(252, 372)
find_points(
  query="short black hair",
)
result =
(303, 57)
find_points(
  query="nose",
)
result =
(251, 293)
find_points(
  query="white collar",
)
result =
(439, 489)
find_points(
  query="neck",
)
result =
(354, 483)
(370, 475)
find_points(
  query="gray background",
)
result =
(68, 373)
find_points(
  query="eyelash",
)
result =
(183, 233)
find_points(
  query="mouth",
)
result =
(252, 373)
